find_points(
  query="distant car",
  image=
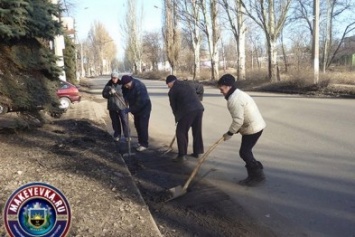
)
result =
(67, 94)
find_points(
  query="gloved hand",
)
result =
(228, 135)
(113, 91)
(126, 111)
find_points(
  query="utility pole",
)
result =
(316, 40)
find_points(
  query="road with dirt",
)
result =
(307, 150)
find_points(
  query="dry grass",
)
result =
(296, 82)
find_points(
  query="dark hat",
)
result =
(170, 78)
(226, 80)
(126, 79)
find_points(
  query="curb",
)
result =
(104, 121)
(154, 224)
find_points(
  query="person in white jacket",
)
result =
(246, 120)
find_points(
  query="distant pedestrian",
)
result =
(140, 106)
(246, 120)
(115, 105)
(188, 112)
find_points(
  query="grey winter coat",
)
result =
(114, 101)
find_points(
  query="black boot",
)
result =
(179, 158)
(255, 175)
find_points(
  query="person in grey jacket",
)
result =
(188, 111)
(246, 120)
(116, 105)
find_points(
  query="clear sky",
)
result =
(111, 14)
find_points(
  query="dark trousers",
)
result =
(193, 120)
(119, 122)
(248, 142)
(141, 123)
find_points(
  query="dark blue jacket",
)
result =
(138, 98)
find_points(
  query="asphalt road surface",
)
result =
(308, 151)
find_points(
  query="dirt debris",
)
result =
(80, 158)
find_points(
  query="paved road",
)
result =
(308, 151)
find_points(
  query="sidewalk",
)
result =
(126, 213)
(88, 109)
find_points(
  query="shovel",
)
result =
(129, 154)
(178, 191)
(170, 146)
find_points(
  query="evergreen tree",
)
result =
(69, 60)
(13, 18)
(41, 22)
(29, 19)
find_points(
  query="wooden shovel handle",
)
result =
(172, 142)
(200, 161)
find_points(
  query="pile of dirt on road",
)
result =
(203, 211)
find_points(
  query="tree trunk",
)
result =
(272, 61)
(214, 64)
(196, 49)
(241, 41)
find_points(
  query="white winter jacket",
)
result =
(245, 114)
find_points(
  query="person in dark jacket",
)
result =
(188, 112)
(115, 105)
(140, 106)
(198, 88)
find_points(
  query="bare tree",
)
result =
(210, 27)
(152, 48)
(102, 45)
(255, 46)
(331, 12)
(335, 9)
(171, 33)
(299, 50)
(235, 12)
(189, 12)
(271, 16)
(133, 36)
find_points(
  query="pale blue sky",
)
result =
(111, 13)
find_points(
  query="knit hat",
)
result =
(170, 78)
(226, 80)
(126, 79)
(114, 74)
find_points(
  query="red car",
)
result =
(68, 94)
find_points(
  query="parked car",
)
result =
(3, 108)
(5, 105)
(67, 94)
